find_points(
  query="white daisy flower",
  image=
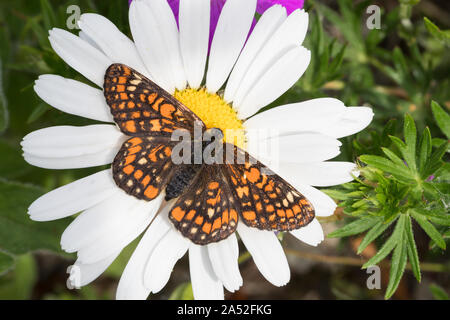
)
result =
(224, 86)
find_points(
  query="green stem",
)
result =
(358, 262)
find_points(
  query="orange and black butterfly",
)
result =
(210, 198)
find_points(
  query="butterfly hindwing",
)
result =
(266, 201)
(142, 108)
(143, 166)
(207, 211)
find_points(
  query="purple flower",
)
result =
(217, 5)
(290, 5)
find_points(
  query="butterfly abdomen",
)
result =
(180, 181)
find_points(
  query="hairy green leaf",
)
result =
(373, 233)
(398, 265)
(410, 133)
(355, 227)
(442, 118)
(429, 229)
(424, 149)
(412, 249)
(390, 244)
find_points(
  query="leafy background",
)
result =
(395, 215)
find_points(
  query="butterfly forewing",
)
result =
(142, 108)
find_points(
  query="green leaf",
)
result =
(38, 112)
(6, 263)
(355, 227)
(373, 233)
(18, 284)
(12, 164)
(438, 292)
(412, 250)
(399, 143)
(443, 36)
(394, 158)
(442, 118)
(410, 133)
(435, 161)
(182, 292)
(4, 113)
(424, 149)
(398, 265)
(18, 233)
(48, 14)
(429, 229)
(336, 194)
(438, 216)
(393, 240)
(401, 173)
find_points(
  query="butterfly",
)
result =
(210, 199)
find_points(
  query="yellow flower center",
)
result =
(215, 113)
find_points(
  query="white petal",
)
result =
(322, 174)
(267, 253)
(92, 160)
(264, 29)
(96, 221)
(163, 258)
(73, 197)
(67, 147)
(131, 284)
(52, 141)
(194, 38)
(224, 260)
(83, 274)
(205, 284)
(277, 80)
(312, 234)
(231, 33)
(89, 40)
(80, 55)
(73, 97)
(156, 37)
(309, 116)
(117, 46)
(352, 121)
(132, 224)
(289, 35)
(295, 148)
(324, 206)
